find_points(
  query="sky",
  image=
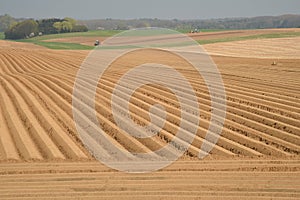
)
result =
(134, 9)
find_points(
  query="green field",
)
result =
(251, 37)
(102, 33)
(2, 36)
(58, 45)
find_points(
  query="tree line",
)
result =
(30, 28)
(22, 28)
(284, 21)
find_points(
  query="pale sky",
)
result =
(133, 9)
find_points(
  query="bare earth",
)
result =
(256, 157)
(279, 48)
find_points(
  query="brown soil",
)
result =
(257, 155)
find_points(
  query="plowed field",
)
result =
(257, 155)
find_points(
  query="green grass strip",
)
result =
(2, 36)
(59, 45)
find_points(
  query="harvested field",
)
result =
(257, 155)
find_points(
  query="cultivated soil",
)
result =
(257, 155)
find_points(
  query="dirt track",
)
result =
(257, 154)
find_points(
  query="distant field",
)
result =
(202, 30)
(66, 45)
(58, 45)
(205, 37)
(275, 48)
(102, 33)
(85, 40)
(251, 37)
(1, 35)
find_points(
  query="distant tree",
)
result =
(66, 27)
(69, 25)
(284, 21)
(6, 22)
(121, 26)
(58, 26)
(142, 24)
(80, 28)
(71, 20)
(22, 30)
(46, 25)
